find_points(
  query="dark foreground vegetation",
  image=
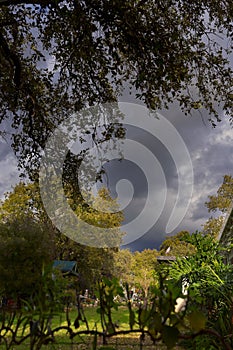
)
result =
(118, 299)
(51, 319)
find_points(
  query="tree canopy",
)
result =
(144, 264)
(23, 201)
(23, 205)
(220, 202)
(178, 245)
(224, 197)
(25, 252)
(58, 56)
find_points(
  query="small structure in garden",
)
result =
(165, 258)
(67, 268)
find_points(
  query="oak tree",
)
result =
(59, 56)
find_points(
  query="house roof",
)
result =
(167, 258)
(66, 267)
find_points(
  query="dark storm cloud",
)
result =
(9, 175)
(4, 150)
(212, 157)
(211, 154)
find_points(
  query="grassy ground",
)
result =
(62, 341)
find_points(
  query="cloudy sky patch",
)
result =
(211, 155)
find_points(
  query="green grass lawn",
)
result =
(120, 317)
(62, 341)
(62, 338)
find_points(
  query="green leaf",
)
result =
(143, 317)
(156, 322)
(197, 320)
(170, 336)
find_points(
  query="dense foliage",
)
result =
(210, 289)
(149, 291)
(24, 254)
(23, 215)
(58, 56)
